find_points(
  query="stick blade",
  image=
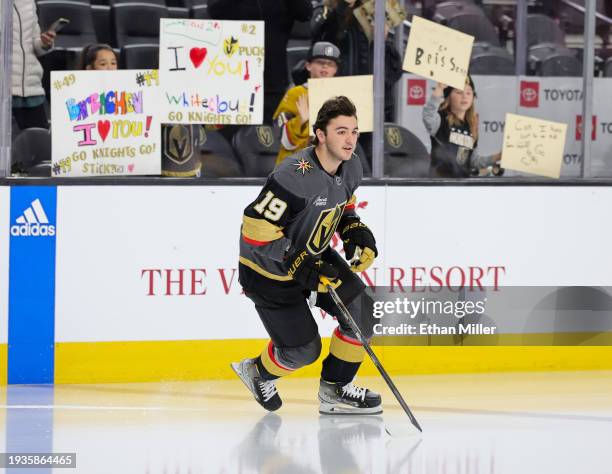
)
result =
(402, 429)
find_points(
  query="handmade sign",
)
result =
(211, 71)
(533, 145)
(357, 88)
(437, 52)
(105, 123)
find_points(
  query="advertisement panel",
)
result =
(518, 236)
(33, 234)
(160, 263)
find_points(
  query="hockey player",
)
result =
(284, 251)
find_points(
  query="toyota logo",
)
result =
(416, 92)
(529, 94)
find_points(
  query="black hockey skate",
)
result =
(347, 399)
(264, 391)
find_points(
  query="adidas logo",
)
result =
(33, 222)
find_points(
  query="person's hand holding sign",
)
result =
(302, 106)
(439, 89)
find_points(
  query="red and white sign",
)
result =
(530, 94)
(579, 127)
(417, 91)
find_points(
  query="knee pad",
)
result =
(296, 357)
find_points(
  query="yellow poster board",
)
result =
(437, 52)
(533, 145)
(360, 89)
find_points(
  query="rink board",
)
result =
(146, 285)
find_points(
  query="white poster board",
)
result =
(211, 71)
(533, 145)
(357, 88)
(437, 52)
(105, 123)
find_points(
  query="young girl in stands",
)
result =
(452, 122)
(98, 57)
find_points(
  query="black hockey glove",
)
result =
(359, 244)
(307, 271)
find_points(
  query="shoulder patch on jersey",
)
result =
(303, 165)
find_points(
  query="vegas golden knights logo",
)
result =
(324, 229)
(394, 137)
(264, 135)
(230, 46)
(178, 143)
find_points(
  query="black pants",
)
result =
(28, 117)
(294, 332)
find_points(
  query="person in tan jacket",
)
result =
(292, 113)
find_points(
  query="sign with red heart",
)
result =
(197, 56)
(211, 71)
(103, 128)
(105, 122)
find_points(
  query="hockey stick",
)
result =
(351, 322)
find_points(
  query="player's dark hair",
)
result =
(90, 52)
(331, 109)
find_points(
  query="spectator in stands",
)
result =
(28, 43)
(279, 16)
(451, 120)
(292, 113)
(98, 57)
(333, 21)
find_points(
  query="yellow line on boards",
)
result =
(149, 361)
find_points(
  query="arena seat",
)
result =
(405, 156)
(543, 29)
(218, 158)
(296, 58)
(256, 147)
(491, 60)
(101, 15)
(553, 60)
(31, 152)
(300, 35)
(199, 11)
(139, 56)
(79, 32)
(363, 157)
(299, 74)
(477, 25)
(446, 10)
(137, 22)
(178, 8)
(607, 68)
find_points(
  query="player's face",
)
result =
(105, 60)
(321, 68)
(461, 101)
(341, 137)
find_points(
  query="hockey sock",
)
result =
(262, 370)
(345, 357)
(337, 370)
